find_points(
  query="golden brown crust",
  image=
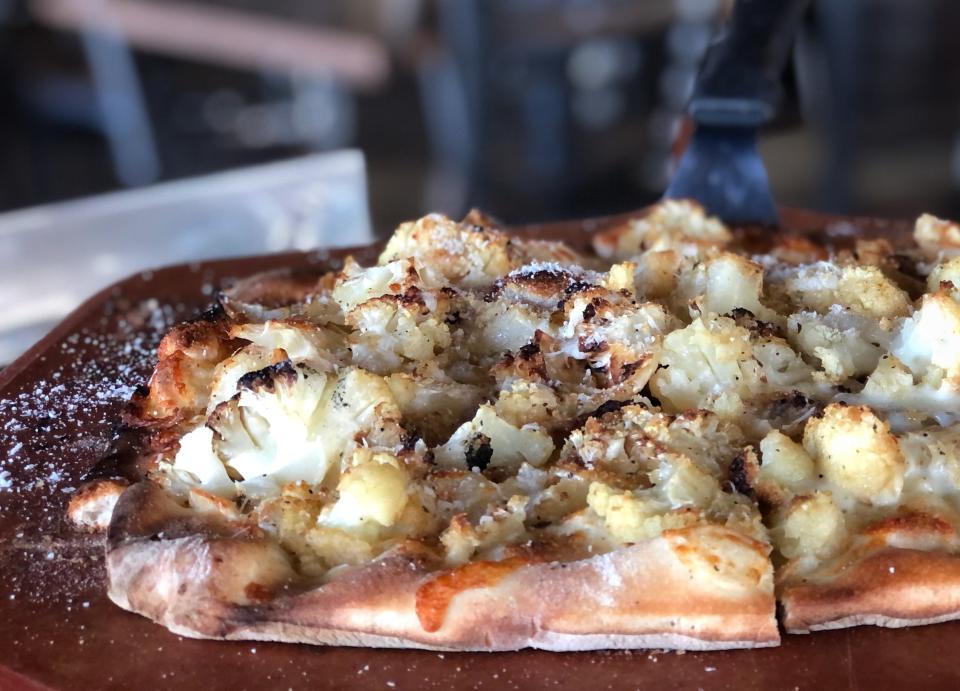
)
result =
(91, 506)
(200, 576)
(892, 587)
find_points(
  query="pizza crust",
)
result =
(199, 577)
(892, 588)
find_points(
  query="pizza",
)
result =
(492, 442)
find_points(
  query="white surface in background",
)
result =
(53, 257)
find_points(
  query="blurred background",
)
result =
(530, 109)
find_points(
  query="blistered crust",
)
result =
(91, 506)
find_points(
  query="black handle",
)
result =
(739, 82)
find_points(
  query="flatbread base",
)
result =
(191, 574)
(892, 587)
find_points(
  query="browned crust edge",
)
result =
(193, 575)
(891, 588)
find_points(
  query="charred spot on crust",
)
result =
(479, 452)
(589, 312)
(266, 379)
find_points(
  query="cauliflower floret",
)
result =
(929, 341)
(946, 271)
(499, 527)
(501, 326)
(614, 335)
(671, 224)
(372, 494)
(466, 255)
(847, 344)
(684, 483)
(294, 424)
(722, 284)
(203, 467)
(317, 347)
(703, 366)
(933, 455)
(636, 516)
(810, 526)
(620, 277)
(862, 289)
(489, 440)
(785, 466)
(523, 402)
(855, 450)
(634, 442)
(891, 387)
(356, 284)
(228, 372)
(394, 330)
(715, 364)
(937, 236)
(657, 273)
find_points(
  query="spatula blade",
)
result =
(722, 170)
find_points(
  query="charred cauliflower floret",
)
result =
(810, 525)
(489, 440)
(187, 357)
(929, 341)
(394, 332)
(862, 289)
(855, 451)
(271, 342)
(671, 224)
(846, 344)
(715, 364)
(630, 447)
(613, 333)
(500, 326)
(466, 255)
(356, 284)
(937, 236)
(295, 424)
(228, 372)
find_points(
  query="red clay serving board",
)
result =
(58, 404)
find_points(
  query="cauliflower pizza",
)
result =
(489, 442)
